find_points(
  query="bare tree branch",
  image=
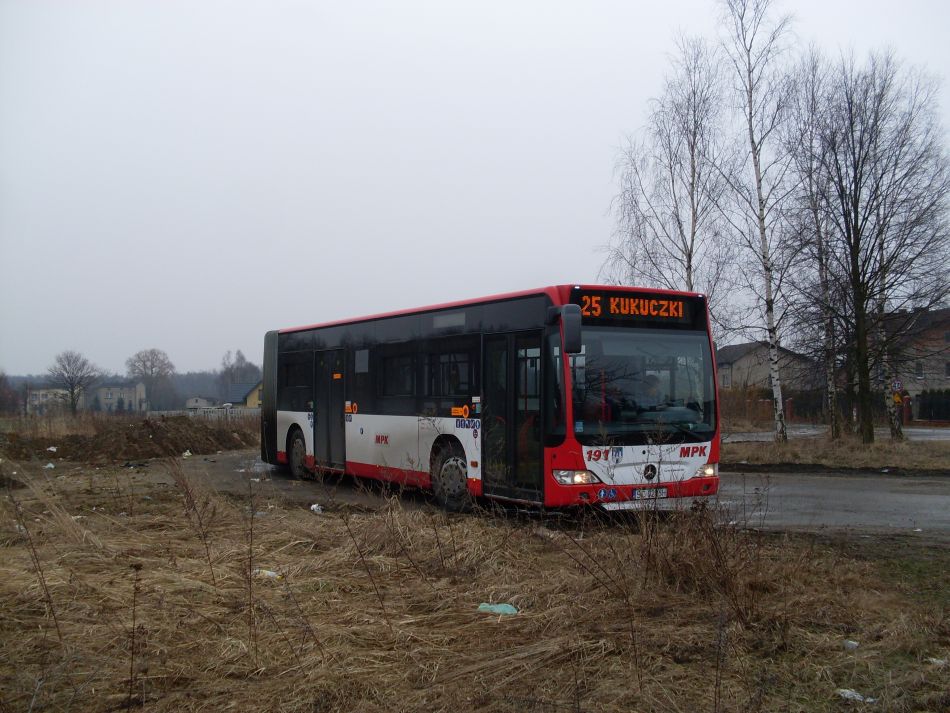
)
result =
(73, 373)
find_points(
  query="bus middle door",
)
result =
(511, 416)
(328, 422)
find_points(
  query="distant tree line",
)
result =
(165, 389)
(9, 399)
(808, 197)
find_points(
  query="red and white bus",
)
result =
(561, 396)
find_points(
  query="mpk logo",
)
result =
(692, 451)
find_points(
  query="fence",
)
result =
(211, 414)
(934, 405)
(754, 405)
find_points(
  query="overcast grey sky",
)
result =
(189, 174)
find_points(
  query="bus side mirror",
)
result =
(571, 322)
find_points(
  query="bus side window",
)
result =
(295, 381)
(397, 375)
(450, 371)
(396, 379)
(360, 386)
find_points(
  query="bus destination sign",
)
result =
(618, 307)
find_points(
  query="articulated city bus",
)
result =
(561, 396)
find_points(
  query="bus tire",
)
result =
(297, 454)
(450, 479)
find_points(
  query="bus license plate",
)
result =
(649, 493)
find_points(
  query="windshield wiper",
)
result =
(685, 429)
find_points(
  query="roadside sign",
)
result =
(897, 385)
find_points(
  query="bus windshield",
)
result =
(637, 386)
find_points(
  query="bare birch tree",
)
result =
(816, 303)
(668, 223)
(754, 45)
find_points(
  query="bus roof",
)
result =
(559, 295)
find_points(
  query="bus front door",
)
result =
(328, 422)
(511, 416)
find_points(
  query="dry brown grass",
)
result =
(378, 611)
(847, 452)
(87, 423)
(56, 425)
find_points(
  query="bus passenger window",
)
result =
(397, 376)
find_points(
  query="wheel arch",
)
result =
(444, 441)
(294, 427)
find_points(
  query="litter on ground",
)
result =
(503, 609)
(849, 694)
(267, 574)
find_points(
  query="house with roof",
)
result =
(108, 395)
(44, 400)
(245, 395)
(742, 366)
(922, 358)
(116, 395)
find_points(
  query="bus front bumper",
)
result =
(677, 495)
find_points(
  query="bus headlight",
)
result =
(575, 477)
(707, 471)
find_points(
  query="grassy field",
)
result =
(846, 452)
(117, 592)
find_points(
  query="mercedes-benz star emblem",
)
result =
(649, 472)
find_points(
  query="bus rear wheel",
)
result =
(450, 480)
(297, 455)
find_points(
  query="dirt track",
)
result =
(917, 506)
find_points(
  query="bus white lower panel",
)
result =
(404, 443)
(287, 420)
(647, 464)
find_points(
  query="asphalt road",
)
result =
(838, 502)
(781, 501)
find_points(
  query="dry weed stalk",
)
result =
(283, 634)
(369, 572)
(200, 510)
(438, 542)
(251, 618)
(136, 568)
(720, 659)
(693, 552)
(38, 567)
(57, 514)
(302, 617)
(399, 540)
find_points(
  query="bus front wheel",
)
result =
(450, 480)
